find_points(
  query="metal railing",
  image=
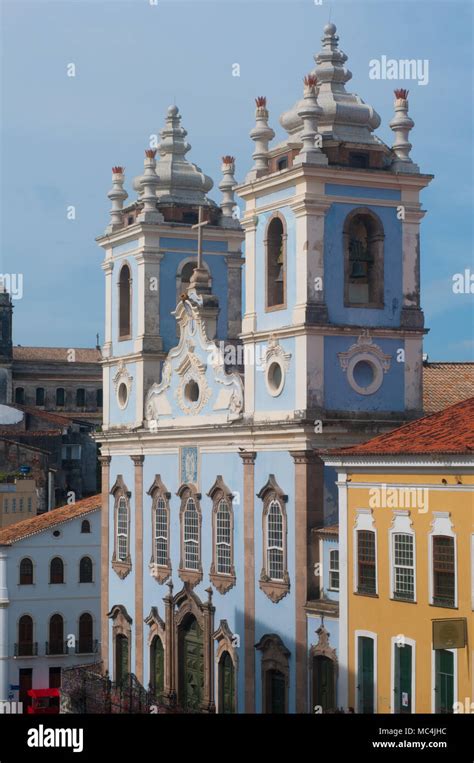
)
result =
(26, 649)
(56, 647)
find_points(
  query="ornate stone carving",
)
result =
(364, 349)
(119, 490)
(220, 492)
(275, 589)
(122, 376)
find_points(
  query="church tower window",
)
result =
(190, 567)
(363, 260)
(125, 301)
(121, 559)
(275, 257)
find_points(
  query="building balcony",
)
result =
(56, 647)
(26, 649)
(87, 646)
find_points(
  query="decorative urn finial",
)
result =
(261, 134)
(117, 195)
(401, 125)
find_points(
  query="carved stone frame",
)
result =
(275, 656)
(121, 625)
(274, 589)
(225, 643)
(159, 572)
(119, 490)
(191, 577)
(219, 492)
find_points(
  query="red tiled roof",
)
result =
(57, 354)
(35, 525)
(449, 431)
(446, 384)
(55, 418)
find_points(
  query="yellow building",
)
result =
(18, 501)
(406, 534)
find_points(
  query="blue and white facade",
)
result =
(49, 597)
(216, 558)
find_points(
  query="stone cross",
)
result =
(200, 225)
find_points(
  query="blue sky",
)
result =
(61, 135)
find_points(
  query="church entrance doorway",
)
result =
(275, 690)
(121, 658)
(157, 666)
(191, 664)
(324, 684)
(226, 684)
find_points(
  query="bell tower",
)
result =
(332, 316)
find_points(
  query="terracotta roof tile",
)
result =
(35, 525)
(55, 418)
(450, 431)
(446, 384)
(328, 530)
(57, 354)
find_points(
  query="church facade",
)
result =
(220, 569)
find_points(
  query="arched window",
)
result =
(60, 396)
(121, 559)
(125, 302)
(25, 637)
(274, 578)
(191, 536)
(56, 635)
(226, 684)
(85, 526)
(186, 274)
(80, 397)
(190, 567)
(85, 570)
(20, 396)
(86, 644)
(122, 530)
(275, 247)
(26, 572)
(363, 259)
(56, 570)
(275, 541)
(157, 666)
(161, 532)
(40, 396)
(222, 569)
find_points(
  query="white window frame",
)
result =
(331, 569)
(401, 525)
(120, 557)
(364, 521)
(442, 525)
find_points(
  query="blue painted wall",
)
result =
(275, 318)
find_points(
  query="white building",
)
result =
(49, 597)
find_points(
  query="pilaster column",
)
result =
(104, 563)
(249, 224)
(412, 316)
(138, 461)
(4, 603)
(107, 267)
(148, 300)
(248, 459)
(169, 687)
(234, 295)
(310, 286)
(208, 698)
(308, 512)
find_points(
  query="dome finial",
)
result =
(117, 195)
(310, 112)
(262, 134)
